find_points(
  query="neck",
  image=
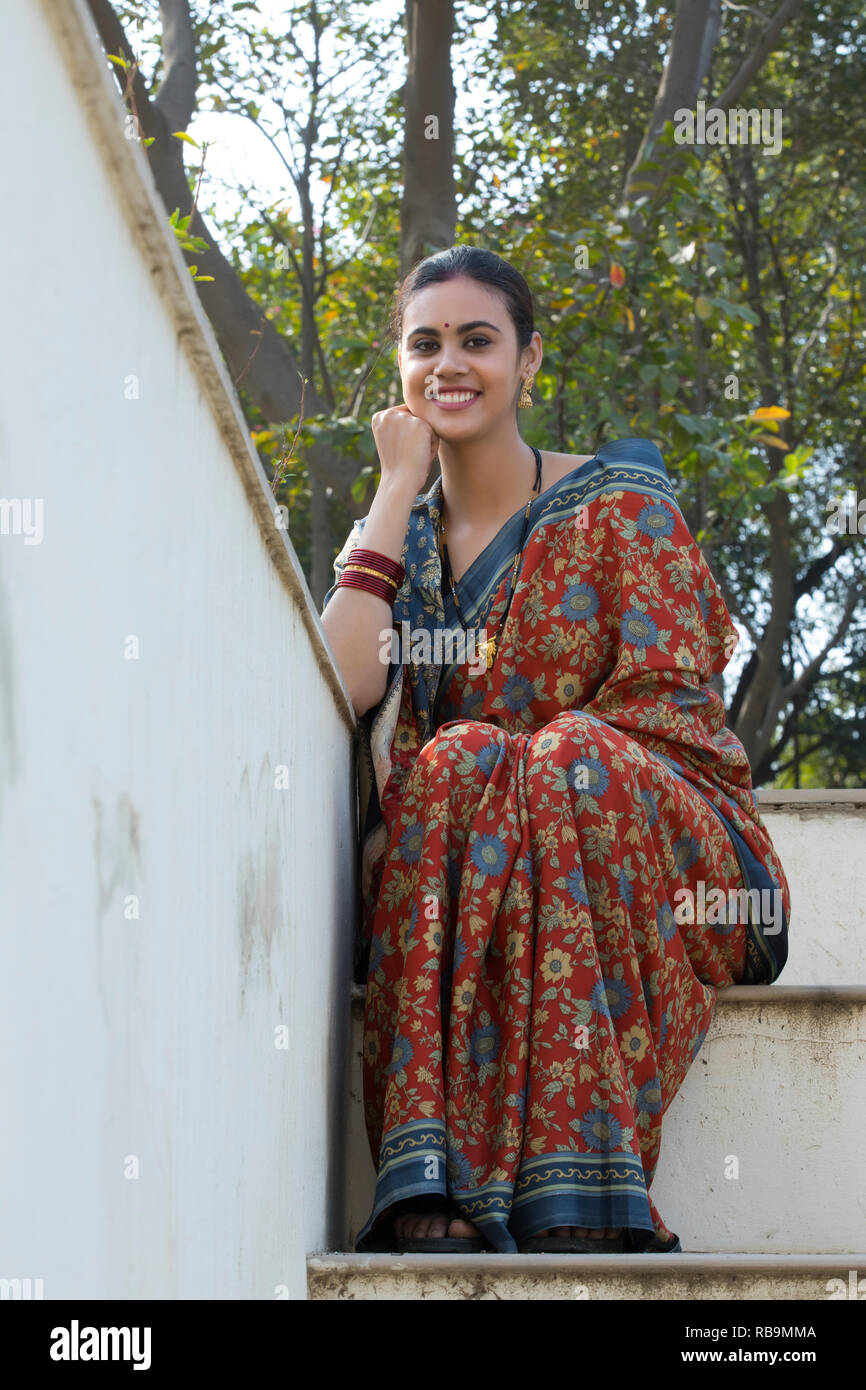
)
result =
(486, 479)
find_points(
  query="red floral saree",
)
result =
(563, 862)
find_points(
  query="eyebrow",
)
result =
(464, 328)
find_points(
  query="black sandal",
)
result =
(440, 1245)
(641, 1242)
(573, 1245)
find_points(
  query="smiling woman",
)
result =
(534, 1000)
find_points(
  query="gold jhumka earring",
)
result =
(526, 400)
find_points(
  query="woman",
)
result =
(560, 833)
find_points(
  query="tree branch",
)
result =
(176, 97)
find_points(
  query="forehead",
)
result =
(454, 301)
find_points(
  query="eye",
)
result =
(423, 342)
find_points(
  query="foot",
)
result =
(584, 1232)
(432, 1226)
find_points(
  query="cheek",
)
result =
(417, 380)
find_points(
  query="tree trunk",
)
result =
(258, 358)
(428, 210)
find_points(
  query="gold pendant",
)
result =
(488, 648)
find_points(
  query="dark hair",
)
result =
(485, 267)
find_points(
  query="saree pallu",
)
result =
(540, 844)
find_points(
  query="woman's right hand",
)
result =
(406, 445)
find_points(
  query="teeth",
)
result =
(457, 395)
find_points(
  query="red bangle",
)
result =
(383, 588)
(382, 562)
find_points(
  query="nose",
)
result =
(450, 359)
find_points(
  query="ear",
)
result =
(534, 354)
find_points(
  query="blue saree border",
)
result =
(562, 1188)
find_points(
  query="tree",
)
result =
(276, 372)
(710, 274)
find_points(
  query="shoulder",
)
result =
(634, 452)
(559, 467)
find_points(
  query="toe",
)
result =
(462, 1229)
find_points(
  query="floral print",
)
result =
(525, 1035)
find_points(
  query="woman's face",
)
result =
(459, 341)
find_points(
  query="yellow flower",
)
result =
(515, 945)
(464, 997)
(685, 659)
(406, 736)
(556, 966)
(509, 1133)
(634, 1043)
(371, 1048)
(433, 937)
(568, 690)
(548, 741)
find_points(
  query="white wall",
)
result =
(152, 779)
(820, 839)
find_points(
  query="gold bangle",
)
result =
(364, 570)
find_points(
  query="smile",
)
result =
(455, 400)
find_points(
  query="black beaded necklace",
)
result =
(488, 648)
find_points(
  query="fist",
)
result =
(406, 445)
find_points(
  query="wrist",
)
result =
(396, 492)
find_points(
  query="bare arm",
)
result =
(353, 619)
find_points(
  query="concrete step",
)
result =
(761, 1148)
(528, 1277)
(820, 837)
